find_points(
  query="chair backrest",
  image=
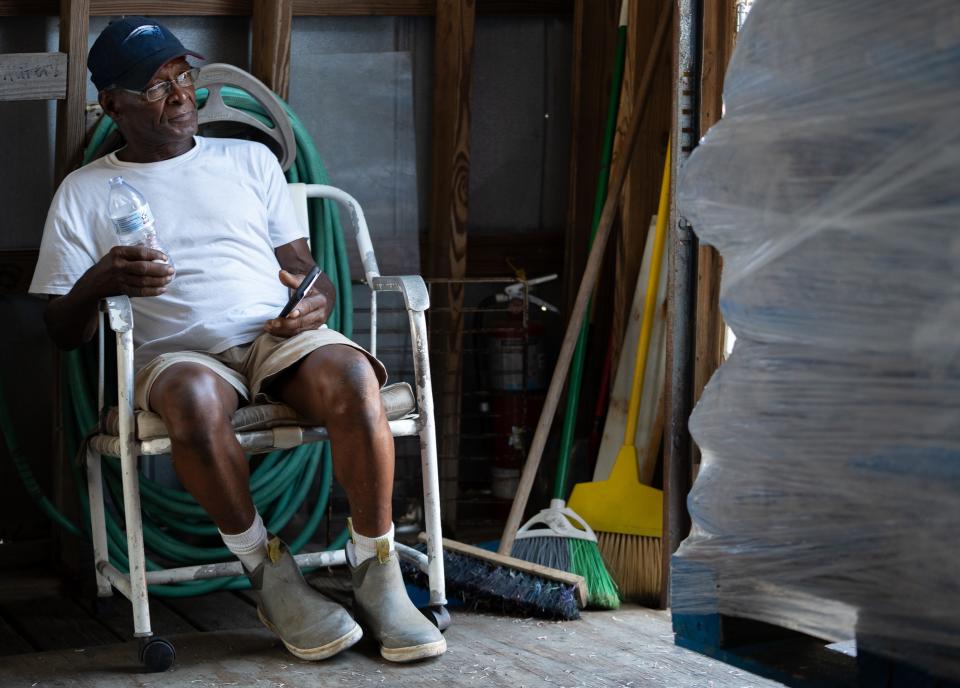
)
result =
(218, 117)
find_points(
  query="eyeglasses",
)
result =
(162, 90)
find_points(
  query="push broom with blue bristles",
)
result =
(556, 536)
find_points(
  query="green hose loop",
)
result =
(282, 480)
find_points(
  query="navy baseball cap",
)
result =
(130, 51)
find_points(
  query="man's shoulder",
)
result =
(83, 179)
(234, 147)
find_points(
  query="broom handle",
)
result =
(649, 306)
(590, 272)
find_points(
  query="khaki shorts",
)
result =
(249, 367)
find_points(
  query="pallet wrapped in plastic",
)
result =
(828, 498)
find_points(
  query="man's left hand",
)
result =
(310, 313)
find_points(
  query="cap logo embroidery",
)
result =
(146, 29)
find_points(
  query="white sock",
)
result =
(361, 547)
(250, 546)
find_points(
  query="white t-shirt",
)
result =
(221, 208)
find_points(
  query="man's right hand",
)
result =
(131, 270)
(72, 319)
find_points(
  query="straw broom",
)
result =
(627, 515)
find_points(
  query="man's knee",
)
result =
(193, 405)
(348, 386)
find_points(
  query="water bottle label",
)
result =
(135, 220)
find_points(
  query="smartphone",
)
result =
(297, 296)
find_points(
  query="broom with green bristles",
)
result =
(557, 537)
(578, 312)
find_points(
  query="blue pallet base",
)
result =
(779, 654)
(883, 672)
(790, 657)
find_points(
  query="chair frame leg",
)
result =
(98, 523)
(428, 458)
(131, 487)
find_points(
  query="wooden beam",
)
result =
(33, 76)
(594, 39)
(74, 25)
(271, 27)
(370, 8)
(642, 189)
(447, 258)
(719, 36)
(71, 120)
(152, 8)
(304, 8)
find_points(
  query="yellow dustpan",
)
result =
(622, 504)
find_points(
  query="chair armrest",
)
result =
(357, 220)
(120, 318)
(414, 290)
(119, 311)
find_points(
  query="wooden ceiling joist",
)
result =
(301, 8)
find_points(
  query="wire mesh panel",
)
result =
(503, 369)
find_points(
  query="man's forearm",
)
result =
(296, 264)
(72, 319)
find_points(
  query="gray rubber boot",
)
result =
(310, 625)
(385, 610)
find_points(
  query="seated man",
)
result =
(208, 337)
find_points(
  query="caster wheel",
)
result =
(157, 654)
(438, 616)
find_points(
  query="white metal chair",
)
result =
(128, 433)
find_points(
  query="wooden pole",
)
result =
(447, 240)
(642, 186)
(719, 36)
(271, 26)
(74, 26)
(594, 37)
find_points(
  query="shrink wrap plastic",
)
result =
(828, 498)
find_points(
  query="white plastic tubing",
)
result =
(829, 494)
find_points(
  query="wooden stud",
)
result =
(642, 188)
(594, 38)
(271, 26)
(74, 26)
(33, 76)
(719, 35)
(447, 239)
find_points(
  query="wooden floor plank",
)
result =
(116, 613)
(28, 584)
(218, 611)
(632, 646)
(11, 642)
(54, 623)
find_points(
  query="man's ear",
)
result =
(108, 101)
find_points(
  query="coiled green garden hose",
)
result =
(279, 484)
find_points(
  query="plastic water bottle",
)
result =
(132, 218)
